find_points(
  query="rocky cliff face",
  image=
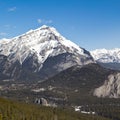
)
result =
(110, 88)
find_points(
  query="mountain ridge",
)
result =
(106, 56)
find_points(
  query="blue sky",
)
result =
(91, 24)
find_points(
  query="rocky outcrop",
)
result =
(110, 88)
(41, 101)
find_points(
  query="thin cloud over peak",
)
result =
(42, 21)
(39, 21)
(12, 9)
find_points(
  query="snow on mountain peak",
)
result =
(44, 42)
(106, 56)
(44, 26)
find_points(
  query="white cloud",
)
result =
(7, 26)
(42, 21)
(3, 34)
(39, 21)
(12, 9)
(49, 21)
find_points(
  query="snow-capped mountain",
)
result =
(42, 52)
(106, 56)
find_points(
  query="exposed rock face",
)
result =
(110, 88)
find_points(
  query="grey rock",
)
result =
(110, 88)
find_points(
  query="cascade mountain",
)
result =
(39, 54)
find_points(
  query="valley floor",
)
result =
(60, 108)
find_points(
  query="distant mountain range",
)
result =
(107, 58)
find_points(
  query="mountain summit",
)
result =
(42, 52)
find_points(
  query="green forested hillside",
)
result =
(11, 110)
